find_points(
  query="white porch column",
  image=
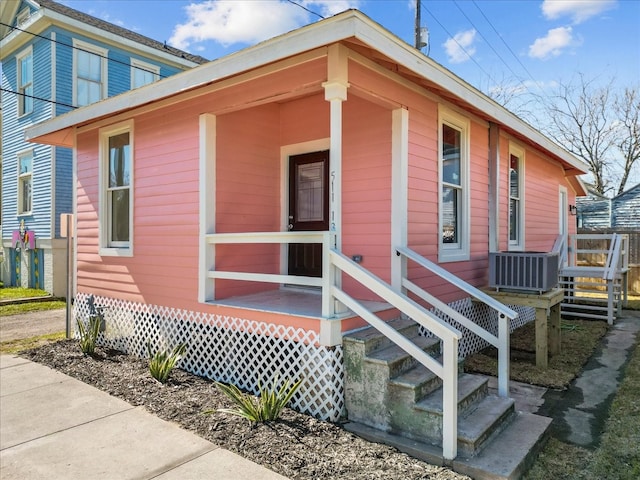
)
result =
(399, 193)
(207, 164)
(335, 92)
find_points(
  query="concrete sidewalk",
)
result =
(55, 427)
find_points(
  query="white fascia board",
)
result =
(286, 45)
(351, 24)
(16, 39)
(412, 59)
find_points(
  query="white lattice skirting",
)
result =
(228, 349)
(248, 353)
(483, 316)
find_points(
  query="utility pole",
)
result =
(418, 36)
(422, 34)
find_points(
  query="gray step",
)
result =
(509, 454)
(396, 360)
(414, 384)
(471, 388)
(506, 457)
(479, 423)
(369, 339)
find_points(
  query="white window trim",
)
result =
(460, 251)
(518, 151)
(21, 154)
(102, 52)
(139, 64)
(103, 177)
(25, 53)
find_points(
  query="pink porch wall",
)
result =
(366, 189)
(248, 193)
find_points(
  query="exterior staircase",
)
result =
(390, 398)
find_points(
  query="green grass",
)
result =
(17, 308)
(617, 457)
(17, 346)
(19, 292)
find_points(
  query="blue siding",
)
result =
(64, 185)
(13, 143)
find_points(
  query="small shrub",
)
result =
(89, 334)
(162, 362)
(263, 409)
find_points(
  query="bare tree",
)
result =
(600, 125)
(581, 120)
(627, 108)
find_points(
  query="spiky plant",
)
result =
(267, 407)
(162, 362)
(89, 334)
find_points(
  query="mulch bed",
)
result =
(297, 446)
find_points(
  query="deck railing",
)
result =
(595, 261)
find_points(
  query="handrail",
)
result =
(447, 371)
(501, 342)
(458, 282)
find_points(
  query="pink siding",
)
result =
(366, 188)
(256, 119)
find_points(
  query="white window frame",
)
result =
(22, 99)
(137, 65)
(459, 251)
(22, 177)
(103, 53)
(518, 243)
(106, 246)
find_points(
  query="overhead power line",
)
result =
(73, 47)
(37, 98)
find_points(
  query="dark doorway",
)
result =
(308, 209)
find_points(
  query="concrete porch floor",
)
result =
(291, 301)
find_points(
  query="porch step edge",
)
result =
(470, 388)
(509, 455)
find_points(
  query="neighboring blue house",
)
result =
(597, 212)
(54, 59)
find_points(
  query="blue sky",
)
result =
(485, 42)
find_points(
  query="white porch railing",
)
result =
(333, 295)
(505, 314)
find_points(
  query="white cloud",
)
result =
(460, 48)
(553, 44)
(246, 21)
(577, 10)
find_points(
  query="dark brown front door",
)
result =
(308, 209)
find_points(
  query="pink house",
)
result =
(265, 206)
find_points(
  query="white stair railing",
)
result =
(505, 314)
(447, 370)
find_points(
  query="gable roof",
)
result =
(58, 13)
(353, 27)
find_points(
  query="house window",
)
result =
(25, 82)
(143, 73)
(25, 182)
(89, 73)
(516, 216)
(454, 190)
(116, 196)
